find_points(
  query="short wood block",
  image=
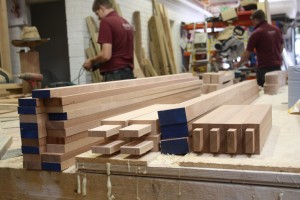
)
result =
(214, 140)
(33, 142)
(198, 140)
(172, 116)
(104, 131)
(174, 131)
(156, 141)
(33, 150)
(60, 157)
(30, 102)
(78, 128)
(32, 158)
(135, 130)
(64, 148)
(109, 147)
(30, 110)
(67, 140)
(231, 141)
(39, 118)
(137, 147)
(250, 141)
(32, 165)
(179, 146)
(58, 167)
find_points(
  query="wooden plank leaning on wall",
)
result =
(5, 60)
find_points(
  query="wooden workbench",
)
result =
(275, 174)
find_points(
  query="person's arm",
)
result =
(245, 56)
(281, 48)
(102, 57)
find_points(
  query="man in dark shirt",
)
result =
(116, 39)
(268, 42)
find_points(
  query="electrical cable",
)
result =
(81, 72)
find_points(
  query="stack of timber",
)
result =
(273, 81)
(233, 129)
(33, 131)
(127, 137)
(215, 81)
(161, 41)
(177, 121)
(67, 113)
(171, 127)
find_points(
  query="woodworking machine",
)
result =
(231, 49)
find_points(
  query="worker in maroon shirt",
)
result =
(268, 42)
(115, 59)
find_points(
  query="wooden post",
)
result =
(4, 39)
(29, 63)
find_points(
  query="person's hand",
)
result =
(88, 64)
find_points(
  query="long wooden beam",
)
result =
(5, 60)
(88, 96)
(70, 90)
(116, 98)
(83, 111)
(175, 98)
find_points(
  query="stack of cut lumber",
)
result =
(64, 115)
(233, 129)
(176, 122)
(33, 131)
(273, 81)
(124, 134)
(215, 81)
(170, 127)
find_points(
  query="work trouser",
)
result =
(121, 74)
(261, 71)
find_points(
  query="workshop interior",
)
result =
(150, 99)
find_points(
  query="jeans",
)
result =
(125, 73)
(261, 71)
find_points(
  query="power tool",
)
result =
(34, 79)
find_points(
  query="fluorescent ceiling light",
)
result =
(195, 7)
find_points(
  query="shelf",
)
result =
(243, 20)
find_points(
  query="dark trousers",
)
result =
(121, 74)
(261, 71)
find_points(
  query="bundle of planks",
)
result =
(273, 81)
(165, 127)
(129, 133)
(33, 131)
(215, 81)
(56, 120)
(176, 123)
(233, 129)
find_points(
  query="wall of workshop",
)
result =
(78, 37)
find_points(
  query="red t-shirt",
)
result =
(267, 40)
(117, 31)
